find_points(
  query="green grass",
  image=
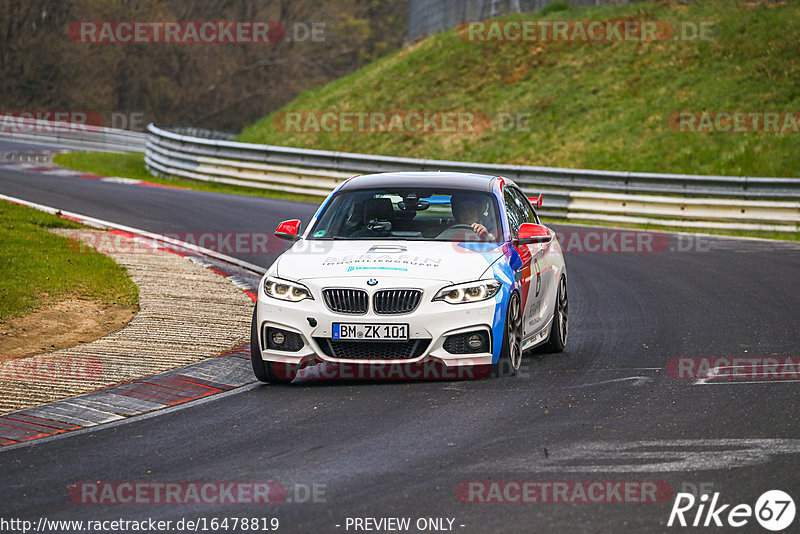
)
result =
(37, 266)
(591, 105)
(132, 166)
(129, 165)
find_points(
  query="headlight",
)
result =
(469, 292)
(286, 290)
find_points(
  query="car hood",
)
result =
(429, 260)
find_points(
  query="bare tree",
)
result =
(224, 86)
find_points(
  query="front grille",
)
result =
(396, 301)
(350, 301)
(373, 350)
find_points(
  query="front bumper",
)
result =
(431, 323)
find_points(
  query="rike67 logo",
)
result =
(774, 510)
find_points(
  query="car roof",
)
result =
(454, 180)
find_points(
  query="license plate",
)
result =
(371, 332)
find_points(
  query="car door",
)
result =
(538, 270)
(525, 275)
(543, 272)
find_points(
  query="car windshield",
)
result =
(426, 215)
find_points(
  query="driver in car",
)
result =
(470, 210)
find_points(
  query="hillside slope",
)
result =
(600, 105)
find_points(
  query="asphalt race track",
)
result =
(606, 410)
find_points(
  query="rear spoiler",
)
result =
(537, 201)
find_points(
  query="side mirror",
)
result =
(289, 230)
(530, 234)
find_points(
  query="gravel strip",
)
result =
(187, 313)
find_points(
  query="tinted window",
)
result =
(422, 214)
(516, 215)
(525, 206)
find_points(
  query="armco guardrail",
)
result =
(71, 135)
(661, 199)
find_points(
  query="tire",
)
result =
(268, 372)
(560, 327)
(511, 353)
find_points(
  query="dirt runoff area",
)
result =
(61, 325)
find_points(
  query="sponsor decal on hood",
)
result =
(428, 260)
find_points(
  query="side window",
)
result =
(525, 207)
(516, 216)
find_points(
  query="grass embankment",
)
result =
(595, 105)
(38, 267)
(132, 166)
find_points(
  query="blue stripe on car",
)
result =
(503, 269)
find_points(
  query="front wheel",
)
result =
(560, 327)
(270, 372)
(511, 353)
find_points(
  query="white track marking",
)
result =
(647, 456)
(636, 381)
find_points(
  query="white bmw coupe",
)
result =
(412, 268)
